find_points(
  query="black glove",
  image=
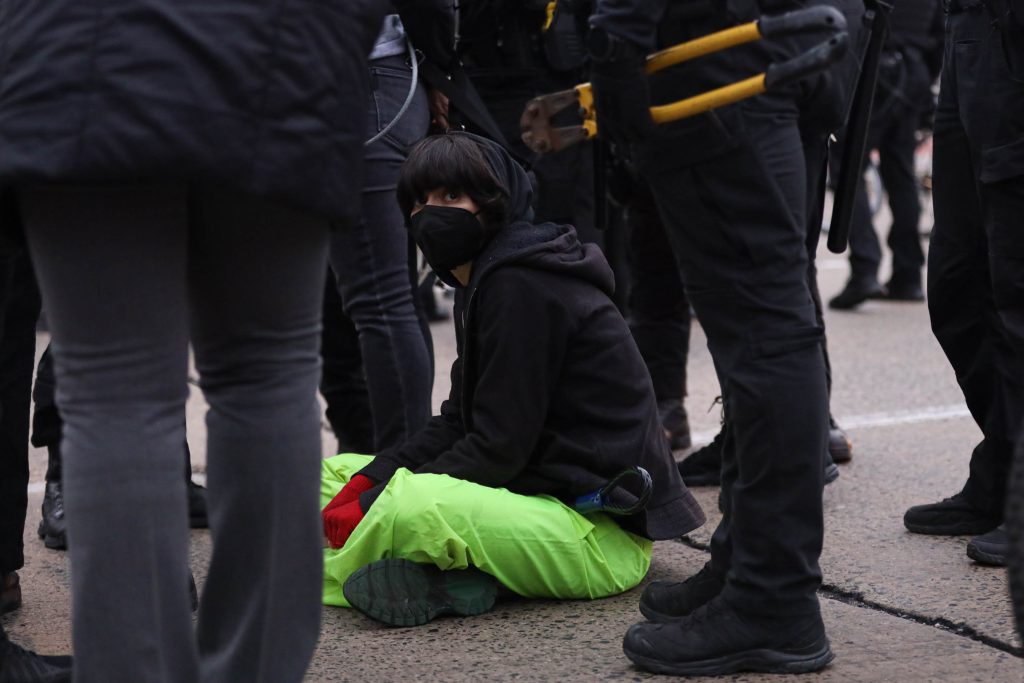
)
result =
(622, 97)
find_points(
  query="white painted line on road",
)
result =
(886, 419)
(902, 417)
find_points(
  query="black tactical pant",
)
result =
(659, 311)
(893, 134)
(19, 310)
(976, 259)
(735, 208)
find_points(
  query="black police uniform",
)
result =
(732, 188)
(659, 311)
(503, 48)
(976, 258)
(910, 64)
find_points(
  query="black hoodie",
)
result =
(549, 392)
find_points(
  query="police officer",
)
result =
(513, 52)
(976, 259)
(732, 186)
(910, 64)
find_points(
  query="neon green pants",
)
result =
(534, 545)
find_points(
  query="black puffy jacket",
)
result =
(263, 96)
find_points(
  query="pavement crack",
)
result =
(857, 599)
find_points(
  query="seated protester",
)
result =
(550, 401)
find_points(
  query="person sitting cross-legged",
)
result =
(550, 401)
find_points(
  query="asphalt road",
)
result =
(898, 607)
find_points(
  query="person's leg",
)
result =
(964, 314)
(371, 263)
(111, 266)
(745, 264)
(896, 153)
(17, 354)
(256, 282)
(533, 545)
(865, 252)
(343, 382)
(659, 314)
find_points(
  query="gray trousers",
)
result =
(129, 274)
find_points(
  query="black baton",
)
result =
(855, 141)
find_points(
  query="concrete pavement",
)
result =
(898, 607)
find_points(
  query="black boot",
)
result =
(18, 665)
(856, 292)
(990, 548)
(717, 639)
(676, 423)
(953, 516)
(839, 445)
(53, 526)
(703, 467)
(672, 600)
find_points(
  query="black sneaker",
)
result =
(716, 640)
(839, 445)
(197, 506)
(899, 289)
(53, 526)
(672, 600)
(405, 593)
(855, 293)
(676, 424)
(990, 548)
(953, 516)
(703, 467)
(18, 665)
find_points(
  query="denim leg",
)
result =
(371, 262)
(111, 265)
(256, 282)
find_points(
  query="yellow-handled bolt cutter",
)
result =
(542, 137)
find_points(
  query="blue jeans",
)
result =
(371, 263)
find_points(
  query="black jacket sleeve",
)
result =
(437, 436)
(521, 331)
(633, 20)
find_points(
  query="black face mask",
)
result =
(447, 235)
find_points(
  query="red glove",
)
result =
(355, 487)
(340, 522)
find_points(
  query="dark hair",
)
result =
(457, 164)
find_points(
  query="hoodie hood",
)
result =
(510, 174)
(545, 246)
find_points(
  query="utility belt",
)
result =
(517, 45)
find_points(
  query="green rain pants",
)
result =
(533, 545)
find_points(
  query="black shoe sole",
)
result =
(981, 557)
(814, 658)
(960, 529)
(52, 541)
(831, 473)
(403, 593)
